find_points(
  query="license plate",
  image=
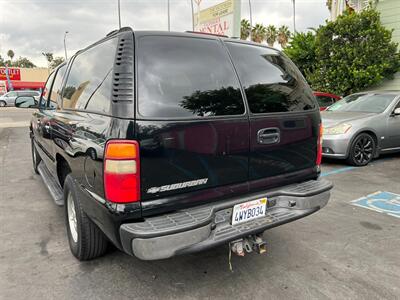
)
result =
(248, 211)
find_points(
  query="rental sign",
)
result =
(221, 19)
(13, 73)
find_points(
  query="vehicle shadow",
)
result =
(202, 274)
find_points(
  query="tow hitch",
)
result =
(249, 244)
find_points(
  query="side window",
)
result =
(46, 90)
(89, 82)
(56, 89)
(271, 81)
(186, 77)
(12, 94)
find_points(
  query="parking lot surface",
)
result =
(341, 252)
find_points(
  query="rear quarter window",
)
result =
(89, 82)
(181, 77)
(271, 81)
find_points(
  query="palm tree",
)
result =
(258, 33)
(10, 54)
(271, 35)
(283, 35)
(245, 29)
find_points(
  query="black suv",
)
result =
(169, 143)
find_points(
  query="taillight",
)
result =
(319, 145)
(122, 171)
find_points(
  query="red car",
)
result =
(325, 99)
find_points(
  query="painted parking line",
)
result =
(384, 202)
(337, 171)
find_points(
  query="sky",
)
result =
(30, 27)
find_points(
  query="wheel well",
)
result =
(371, 133)
(63, 169)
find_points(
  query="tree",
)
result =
(301, 50)
(258, 33)
(245, 29)
(10, 54)
(56, 61)
(23, 62)
(2, 62)
(49, 57)
(271, 35)
(283, 35)
(353, 53)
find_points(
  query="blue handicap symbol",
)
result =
(384, 202)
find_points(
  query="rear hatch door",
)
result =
(284, 117)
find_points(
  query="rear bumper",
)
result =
(204, 227)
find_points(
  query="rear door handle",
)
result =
(267, 136)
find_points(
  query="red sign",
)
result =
(13, 73)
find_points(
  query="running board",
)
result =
(52, 185)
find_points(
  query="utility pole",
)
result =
(169, 18)
(119, 14)
(251, 21)
(198, 11)
(191, 3)
(294, 16)
(65, 45)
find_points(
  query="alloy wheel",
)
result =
(73, 224)
(363, 150)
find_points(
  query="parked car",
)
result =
(362, 126)
(152, 143)
(8, 99)
(325, 99)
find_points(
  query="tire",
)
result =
(36, 159)
(85, 239)
(362, 150)
(3, 104)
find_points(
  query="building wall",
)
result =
(34, 74)
(390, 17)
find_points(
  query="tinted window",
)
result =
(89, 82)
(324, 101)
(363, 103)
(56, 90)
(272, 82)
(186, 77)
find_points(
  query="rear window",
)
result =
(186, 77)
(324, 101)
(271, 81)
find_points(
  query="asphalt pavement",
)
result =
(341, 252)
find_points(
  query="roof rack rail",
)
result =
(112, 32)
(206, 33)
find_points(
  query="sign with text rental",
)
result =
(221, 19)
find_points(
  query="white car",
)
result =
(8, 99)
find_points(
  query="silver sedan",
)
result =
(361, 126)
